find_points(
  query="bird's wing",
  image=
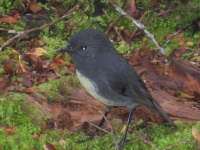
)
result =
(124, 80)
(132, 86)
(139, 91)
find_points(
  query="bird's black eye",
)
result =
(83, 48)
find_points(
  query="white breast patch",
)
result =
(91, 87)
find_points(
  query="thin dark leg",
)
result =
(121, 143)
(97, 130)
(108, 108)
(102, 120)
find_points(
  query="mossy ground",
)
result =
(26, 121)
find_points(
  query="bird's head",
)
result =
(87, 44)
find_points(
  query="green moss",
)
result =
(54, 90)
(53, 44)
(19, 115)
(163, 137)
(6, 6)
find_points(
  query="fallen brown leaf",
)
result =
(128, 33)
(36, 136)
(34, 7)
(2, 86)
(9, 130)
(8, 67)
(181, 51)
(16, 16)
(30, 90)
(49, 146)
(26, 81)
(181, 42)
(37, 51)
(8, 20)
(58, 60)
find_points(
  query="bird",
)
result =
(107, 76)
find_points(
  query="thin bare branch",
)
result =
(112, 131)
(8, 42)
(139, 25)
(179, 31)
(101, 129)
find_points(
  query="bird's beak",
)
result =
(68, 48)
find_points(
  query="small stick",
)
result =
(112, 25)
(137, 28)
(112, 131)
(178, 144)
(100, 128)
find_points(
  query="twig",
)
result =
(21, 33)
(178, 144)
(34, 74)
(113, 25)
(100, 128)
(137, 28)
(112, 131)
(185, 7)
(139, 25)
(175, 35)
(2, 29)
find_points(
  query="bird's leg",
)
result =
(108, 108)
(121, 143)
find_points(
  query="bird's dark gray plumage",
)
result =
(107, 76)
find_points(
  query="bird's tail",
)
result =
(161, 111)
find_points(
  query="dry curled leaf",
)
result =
(62, 143)
(49, 146)
(37, 51)
(195, 133)
(185, 96)
(21, 66)
(9, 130)
(189, 43)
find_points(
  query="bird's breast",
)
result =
(91, 87)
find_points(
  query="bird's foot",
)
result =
(95, 134)
(89, 138)
(120, 144)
